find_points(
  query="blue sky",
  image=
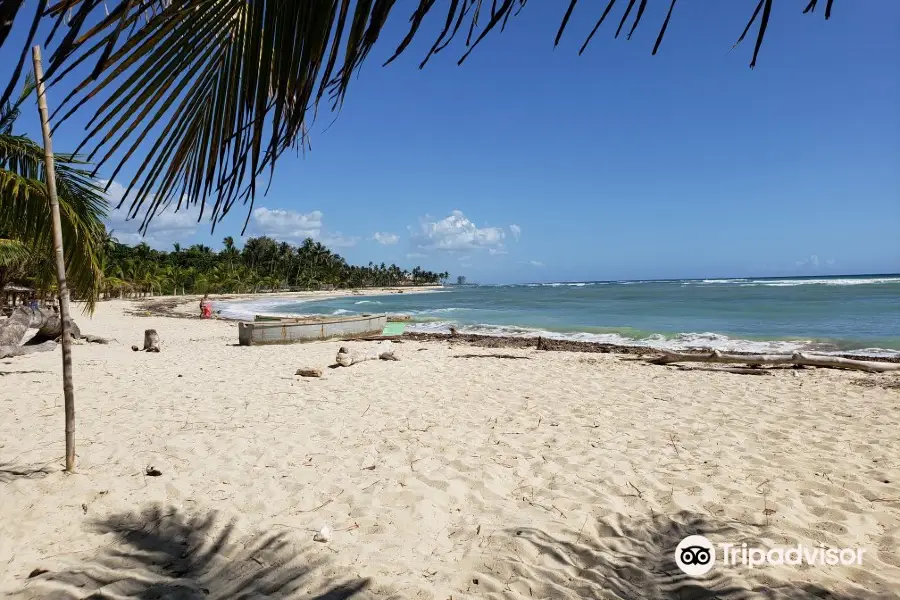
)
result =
(533, 164)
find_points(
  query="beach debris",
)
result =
(452, 331)
(323, 535)
(151, 341)
(346, 357)
(508, 356)
(309, 372)
(889, 383)
(666, 357)
(49, 326)
(736, 370)
(152, 471)
(37, 572)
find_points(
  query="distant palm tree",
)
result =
(25, 233)
(217, 90)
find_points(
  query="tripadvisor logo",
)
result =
(696, 555)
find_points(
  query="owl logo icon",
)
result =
(695, 555)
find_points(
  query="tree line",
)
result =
(262, 265)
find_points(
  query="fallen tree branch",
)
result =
(49, 329)
(797, 358)
(346, 357)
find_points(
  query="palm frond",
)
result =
(231, 83)
(25, 211)
(12, 252)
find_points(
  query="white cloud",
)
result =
(812, 261)
(497, 251)
(287, 224)
(516, 231)
(416, 255)
(536, 263)
(294, 227)
(456, 232)
(166, 227)
(338, 240)
(386, 238)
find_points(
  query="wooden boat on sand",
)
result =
(275, 330)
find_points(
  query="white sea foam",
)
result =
(684, 341)
(722, 281)
(740, 281)
(368, 302)
(433, 311)
(246, 310)
(796, 282)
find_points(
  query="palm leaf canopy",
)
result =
(212, 92)
(25, 232)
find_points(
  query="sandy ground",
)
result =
(452, 473)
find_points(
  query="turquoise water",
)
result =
(859, 313)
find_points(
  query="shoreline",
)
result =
(554, 345)
(187, 307)
(183, 307)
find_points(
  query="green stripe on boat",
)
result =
(394, 329)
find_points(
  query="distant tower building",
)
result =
(460, 280)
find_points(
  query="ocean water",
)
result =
(826, 314)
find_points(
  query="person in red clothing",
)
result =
(205, 307)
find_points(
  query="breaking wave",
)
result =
(681, 341)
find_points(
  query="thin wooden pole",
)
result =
(50, 172)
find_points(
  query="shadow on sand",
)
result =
(162, 553)
(635, 560)
(10, 471)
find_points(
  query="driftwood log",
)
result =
(309, 372)
(346, 356)
(797, 358)
(13, 329)
(10, 351)
(151, 342)
(51, 327)
(48, 324)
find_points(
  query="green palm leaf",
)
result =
(12, 252)
(25, 213)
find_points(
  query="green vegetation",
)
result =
(26, 244)
(262, 265)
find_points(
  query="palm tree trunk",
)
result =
(50, 174)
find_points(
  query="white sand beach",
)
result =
(456, 472)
